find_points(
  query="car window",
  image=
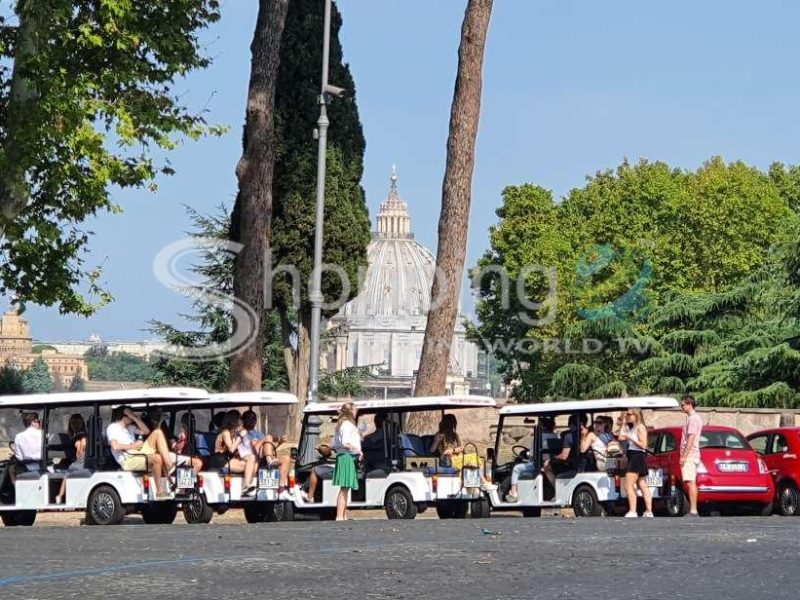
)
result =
(653, 443)
(722, 439)
(668, 443)
(779, 444)
(759, 443)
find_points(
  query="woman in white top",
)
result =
(347, 443)
(634, 431)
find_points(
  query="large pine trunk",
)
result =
(297, 355)
(454, 218)
(254, 201)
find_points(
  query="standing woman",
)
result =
(634, 431)
(347, 443)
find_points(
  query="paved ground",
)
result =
(502, 558)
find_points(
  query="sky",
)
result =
(571, 87)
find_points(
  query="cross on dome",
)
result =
(393, 218)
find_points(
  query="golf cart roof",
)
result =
(226, 400)
(405, 404)
(144, 395)
(571, 406)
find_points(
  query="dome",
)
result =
(396, 292)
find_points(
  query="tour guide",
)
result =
(347, 443)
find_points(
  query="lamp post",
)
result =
(315, 293)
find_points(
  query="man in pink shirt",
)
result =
(690, 450)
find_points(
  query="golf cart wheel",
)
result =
(676, 505)
(280, 511)
(480, 509)
(18, 518)
(585, 503)
(399, 504)
(196, 510)
(104, 507)
(255, 513)
(160, 513)
(788, 500)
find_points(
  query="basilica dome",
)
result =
(384, 326)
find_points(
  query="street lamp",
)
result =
(315, 294)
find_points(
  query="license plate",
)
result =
(184, 478)
(472, 478)
(268, 479)
(655, 477)
(732, 467)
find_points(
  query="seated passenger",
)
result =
(318, 473)
(180, 448)
(594, 441)
(76, 429)
(28, 443)
(547, 425)
(226, 450)
(446, 442)
(373, 445)
(561, 463)
(150, 455)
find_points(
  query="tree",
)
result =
(456, 200)
(347, 228)
(196, 355)
(253, 210)
(37, 379)
(86, 105)
(10, 380)
(77, 384)
(120, 366)
(618, 247)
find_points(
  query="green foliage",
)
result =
(212, 322)
(120, 366)
(347, 228)
(96, 350)
(77, 384)
(89, 104)
(39, 348)
(346, 383)
(10, 380)
(37, 379)
(644, 256)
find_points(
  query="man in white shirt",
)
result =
(150, 455)
(28, 443)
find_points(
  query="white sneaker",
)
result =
(512, 497)
(631, 515)
(648, 515)
(488, 487)
(285, 496)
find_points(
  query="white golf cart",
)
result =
(217, 490)
(399, 473)
(104, 491)
(590, 492)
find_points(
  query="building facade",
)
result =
(384, 326)
(16, 348)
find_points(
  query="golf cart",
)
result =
(589, 491)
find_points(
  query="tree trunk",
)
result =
(254, 200)
(301, 373)
(13, 185)
(456, 198)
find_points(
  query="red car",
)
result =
(780, 449)
(731, 476)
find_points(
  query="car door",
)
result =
(780, 460)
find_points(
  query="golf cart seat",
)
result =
(413, 445)
(29, 476)
(440, 471)
(59, 446)
(204, 442)
(529, 476)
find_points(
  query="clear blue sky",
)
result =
(571, 87)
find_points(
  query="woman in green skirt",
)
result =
(347, 443)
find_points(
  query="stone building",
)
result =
(16, 348)
(384, 326)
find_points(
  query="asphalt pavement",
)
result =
(500, 558)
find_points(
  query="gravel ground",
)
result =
(504, 557)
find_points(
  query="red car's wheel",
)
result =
(788, 500)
